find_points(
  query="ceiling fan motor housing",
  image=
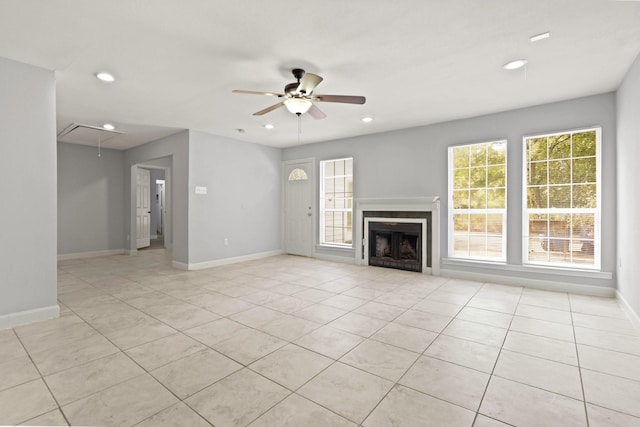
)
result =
(291, 88)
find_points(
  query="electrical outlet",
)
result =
(226, 241)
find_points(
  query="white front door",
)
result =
(143, 208)
(298, 212)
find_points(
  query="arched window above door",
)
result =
(298, 175)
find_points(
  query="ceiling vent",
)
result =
(86, 134)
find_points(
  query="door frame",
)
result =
(141, 241)
(168, 219)
(314, 203)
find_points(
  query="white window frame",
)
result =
(597, 211)
(452, 211)
(322, 208)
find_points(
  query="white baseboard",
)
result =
(29, 316)
(225, 261)
(633, 316)
(91, 254)
(335, 258)
(546, 285)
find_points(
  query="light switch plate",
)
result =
(201, 190)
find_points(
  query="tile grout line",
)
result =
(575, 341)
(43, 380)
(491, 375)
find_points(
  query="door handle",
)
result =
(148, 211)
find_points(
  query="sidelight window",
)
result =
(336, 202)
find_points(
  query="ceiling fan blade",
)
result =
(268, 109)
(316, 113)
(308, 83)
(347, 99)
(253, 92)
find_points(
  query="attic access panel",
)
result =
(77, 133)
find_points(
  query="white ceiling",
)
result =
(417, 61)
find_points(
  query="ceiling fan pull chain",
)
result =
(299, 127)
(99, 140)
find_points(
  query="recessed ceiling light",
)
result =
(108, 126)
(367, 119)
(539, 37)
(514, 65)
(269, 126)
(105, 77)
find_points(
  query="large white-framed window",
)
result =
(336, 202)
(477, 201)
(561, 199)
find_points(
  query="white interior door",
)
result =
(298, 213)
(143, 208)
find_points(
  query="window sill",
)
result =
(526, 268)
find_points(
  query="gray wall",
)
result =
(242, 202)
(90, 199)
(28, 187)
(413, 162)
(628, 173)
(175, 147)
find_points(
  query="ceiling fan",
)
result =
(299, 96)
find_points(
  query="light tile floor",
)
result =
(290, 341)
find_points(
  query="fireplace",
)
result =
(395, 245)
(400, 233)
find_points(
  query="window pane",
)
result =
(584, 169)
(461, 157)
(584, 196)
(461, 199)
(461, 223)
(560, 146)
(478, 199)
(495, 176)
(538, 197)
(496, 199)
(537, 173)
(496, 153)
(478, 155)
(537, 149)
(478, 177)
(560, 196)
(560, 172)
(584, 144)
(298, 175)
(461, 178)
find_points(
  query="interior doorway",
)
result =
(159, 207)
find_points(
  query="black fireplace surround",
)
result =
(397, 244)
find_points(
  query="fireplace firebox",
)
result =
(395, 245)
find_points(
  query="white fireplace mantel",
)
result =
(400, 204)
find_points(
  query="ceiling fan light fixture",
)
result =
(297, 105)
(514, 65)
